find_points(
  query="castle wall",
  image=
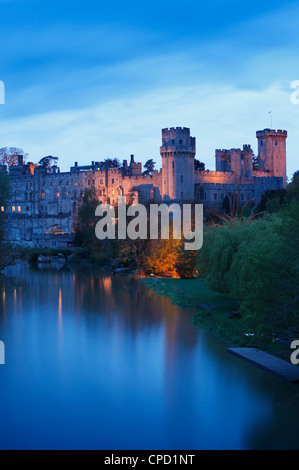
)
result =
(45, 204)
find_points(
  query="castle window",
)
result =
(215, 196)
(262, 142)
(101, 181)
(31, 197)
(112, 181)
(181, 141)
(42, 195)
(76, 183)
(2, 209)
(27, 209)
(17, 196)
(13, 208)
(88, 182)
(93, 182)
(64, 193)
(81, 183)
(19, 208)
(276, 143)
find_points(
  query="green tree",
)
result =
(293, 187)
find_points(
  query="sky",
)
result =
(90, 80)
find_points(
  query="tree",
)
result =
(272, 201)
(47, 163)
(7, 256)
(9, 155)
(255, 163)
(149, 167)
(199, 166)
(293, 187)
(85, 230)
(112, 162)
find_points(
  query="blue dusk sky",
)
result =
(90, 80)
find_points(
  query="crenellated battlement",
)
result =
(271, 133)
(178, 138)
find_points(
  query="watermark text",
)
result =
(2, 353)
(187, 222)
(295, 354)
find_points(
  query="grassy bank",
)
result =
(213, 311)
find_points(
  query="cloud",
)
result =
(219, 117)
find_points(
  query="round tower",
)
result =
(177, 152)
(272, 152)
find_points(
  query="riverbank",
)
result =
(217, 313)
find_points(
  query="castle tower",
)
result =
(177, 152)
(272, 152)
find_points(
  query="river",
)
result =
(95, 361)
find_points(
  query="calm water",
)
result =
(94, 361)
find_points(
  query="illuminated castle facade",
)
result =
(44, 205)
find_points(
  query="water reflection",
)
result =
(95, 361)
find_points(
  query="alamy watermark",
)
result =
(2, 353)
(295, 354)
(295, 94)
(146, 222)
(2, 93)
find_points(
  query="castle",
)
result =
(44, 204)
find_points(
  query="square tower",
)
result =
(272, 152)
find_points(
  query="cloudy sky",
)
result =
(90, 80)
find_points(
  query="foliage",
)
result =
(48, 163)
(293, 187)
(162, 256)
(272, 201)
(9, 155)
(149, 167)
(85, 230)
(257, 262)
(198, 165)
(185, 264)
(112, 162)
